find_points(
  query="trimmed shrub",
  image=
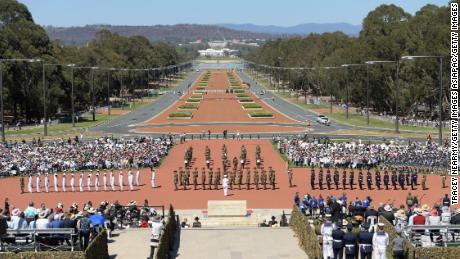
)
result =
(239, 91)
(200, 88)
(167, 239)
(246, 100)
(305, 234)
(251, 106)
(199, 91)
(180, 115)
(191, 100)
(261, 114)
(242, 96)
(189, 106)
(196, 96)
(98, 248)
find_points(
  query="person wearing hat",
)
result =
(153, 177)
(112, 180)
(155, 236)
(138, 177)
(120, 180)
(349, 240)
(455, 220)
(131, 180)
(56, 184)
(84, 227)
(47, 182)
(81, 182)
(312, 178)
(42, 222)
(337, 240)
(398, 245)
(386, 179)
(96, 181)
(29, 183)
(336, 178)
(72, 182)
(360, 179)
(365, 241)
(225, 185)
(388, 213)
(328, 178)
(380, 242)
(344, 179)
(196, 223)
(64, 181)
(320, 178)
(351, 179)
(104, 181)
(90, 180)
(326, 232)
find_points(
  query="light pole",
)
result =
(2, 109)
(375, 62)
(440, 59)
(348, 81)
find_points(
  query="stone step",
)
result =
(229, 221)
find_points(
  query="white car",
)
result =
(323, 120)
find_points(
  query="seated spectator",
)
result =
(55, 221)
(42, 222)
(196, 223)
(30, 212)
(388, 213)
(434, 219)
(68, 222)
(456, 218)
(419, 219)
(17, 220)
(273, 222)
(445, 215)
(264, 224)
(184, 224)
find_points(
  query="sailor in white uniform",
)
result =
(38, 182)
(131, 180)
(225, 185)
(112, 181)
(82, 182)
(326, 231)
(56, 184)
(96, 181)
(380, 242)
(47, 182)
(29, 183)
(138, 177)
(64, 181)
(120, 180)
(153, 178)
(104, 181)
(90, 180)
(72, 182)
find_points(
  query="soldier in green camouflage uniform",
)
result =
(217, 179)
(203, 178)
(263, 178)
(176, 180)
(248, 179)
(181, 176)
(256, 178)
(210, 176)
(240, 178)
(195, 178)
(235, 162)
(187, 177)
(272, 178)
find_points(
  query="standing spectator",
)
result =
(157, 231)
(398, 246)
(84, 227)
(196, 223)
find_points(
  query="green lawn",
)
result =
(85, 123)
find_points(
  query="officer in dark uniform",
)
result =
(413, 180)
(320, 178)
(328, 179)
(369, 180)
(176, 180)
(407, 175)
(344, 179)
(394, 179)
(352, 178)
(386, 179)
(21, 183)
(401, 180)
(240, 178)
(203, 178)
(378, 178)
(312, 178)
(365, 242)
(337, 240)
(349, 240)
(360, 179)
(248, 179)
(415, 177)
(336, 178)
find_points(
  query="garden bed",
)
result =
(261, 114)
(189, 106)
(191, 100)
(180, 115)
(251, 106)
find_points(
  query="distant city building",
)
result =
(217, 49)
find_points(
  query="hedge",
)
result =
(252, 106)
(308, 240)
(242, 95)
(239, 91)
(193, 100)
(199, 91)
(245, 100)
(261, 114)
(180, 115)
(196, 97)
(236, 87)
(200, 88)
(189, 106)
(98, 248)
(167, 239)
(413, 252)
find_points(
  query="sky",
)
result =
(261, 12)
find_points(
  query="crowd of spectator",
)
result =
(87, 220)
(304, 151)
(102, 153)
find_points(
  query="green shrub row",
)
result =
(98, 248)
(189, 106)
(191, 100)
(305, 234)
(261, 114)
(251, 106)
(242, 95)
(239, 91)
(198, 96)
(245, 100)
(180, 115)
(167, 239)
(200, 88)
(199, 91)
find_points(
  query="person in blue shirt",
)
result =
(314, 205)
(343, 198)
(97, 220)
(297, 199)
(366, 203)
(358, 202)
(321, 204)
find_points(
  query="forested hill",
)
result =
(171, 33)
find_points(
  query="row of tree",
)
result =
(388, 33)
(20, 37)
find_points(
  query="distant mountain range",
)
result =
(182, 33)
(179, 33)
(301, 29)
